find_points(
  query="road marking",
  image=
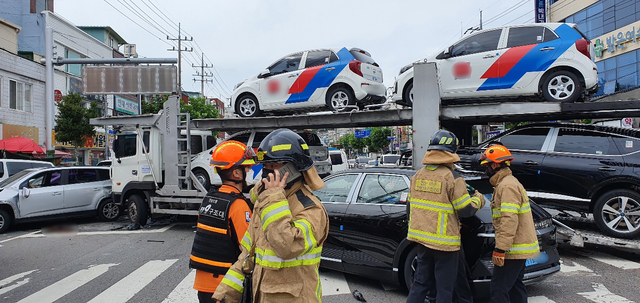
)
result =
(38, 234)
(565, 268)
(184, 292)
(3, 283)
(602, 295)
(540, 299)
(130, 285)
(29, 235)
(611, 260)
(61, 288)
(333, 283)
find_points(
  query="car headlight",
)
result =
(405, 68)
(542, 224)
(238, 85)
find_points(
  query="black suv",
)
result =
(585, 168)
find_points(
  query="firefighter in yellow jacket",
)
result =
(516, 239)
(437, 199)
(282, 247)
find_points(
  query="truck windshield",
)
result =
(125, 146)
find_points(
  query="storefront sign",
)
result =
(540, 10)
(126, 106)
(97, 141)
(617, 42)
(10, 131)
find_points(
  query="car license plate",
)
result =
(371, 72)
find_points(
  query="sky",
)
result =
(241, 38)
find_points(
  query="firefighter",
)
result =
(223, 219)
(437, 199)
(516, 239)
(287, 231)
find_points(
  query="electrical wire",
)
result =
(529, 12)
(150, 18)
(136, 23)
(507, 11)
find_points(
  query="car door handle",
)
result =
(292, 75)
(56, 193)
(606, 168)
(547, 48)
(96, 189)
(330, 68)
(530, 162)
(488, 56)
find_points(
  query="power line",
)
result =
(507, 11)
(136, 23)
(150, 18)
(132, 10)
(165, 18)
(519, 17)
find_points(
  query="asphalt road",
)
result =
(104, 262)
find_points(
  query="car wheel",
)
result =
(202, 177)
(617, 213)
(5, 220)
(407, 96)
(410, 266)
(247, 106)
(339, 98)
(108, 210)
(138, 211)
(562, 86)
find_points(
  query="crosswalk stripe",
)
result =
(601, 294)
(611, 260)
(3, 283)
(540, 299)
(184, 292)
(61, 288)
(333, 283)
(565, 268)
(130, 285)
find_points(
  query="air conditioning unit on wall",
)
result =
(130, 51)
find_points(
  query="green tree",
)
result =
(378, 139)
(72, 120)
(154, 106)
(358, 144)
(197, 107)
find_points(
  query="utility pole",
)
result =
(480, 19)
(202, 74)
(180, 50)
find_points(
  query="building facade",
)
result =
(613, 26)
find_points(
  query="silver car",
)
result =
(59, 192)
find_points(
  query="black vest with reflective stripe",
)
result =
(215, 247)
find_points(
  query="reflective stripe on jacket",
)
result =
(512, 218)
(289, 228)
(436, 200)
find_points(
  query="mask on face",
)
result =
(266, 172)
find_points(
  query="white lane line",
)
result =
(37, 234)
(611, 260)
(184, 292)
(333, 283)
(61, 288)
(602, 295)
(565, 268)
(29, 235)
(3, 283)
(540, 299)
(130, 285)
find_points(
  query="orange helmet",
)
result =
(230, 154)
(496, 154)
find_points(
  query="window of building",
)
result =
(19, 96)
(73, 68)
(111, 42)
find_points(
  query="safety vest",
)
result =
(215, 247)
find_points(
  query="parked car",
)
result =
(338, 160)
(368, 230)
(406, 159)
(362, 162)
(10, 167)
(204, 173)
(551, 60)
(324, 78)
(372, 163)
(352, 163)
(578, 167)
(38, 194)
(389, 160)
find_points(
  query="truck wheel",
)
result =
(407, 96)
(410, 266)
(138, 211)
(617, 213)
(108, 210)
(338, 99)
(5, 221)
(561, 86)
(202, 177)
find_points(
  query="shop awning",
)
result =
(20, 144)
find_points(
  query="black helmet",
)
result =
(443, 140)
(283, 145)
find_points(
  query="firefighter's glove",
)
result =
(498, 257)
(480, 196)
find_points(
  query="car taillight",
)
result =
(583, 46)
(354, 66)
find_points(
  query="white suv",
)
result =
(553, 60)
(313, 79)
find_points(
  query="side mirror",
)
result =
(26, 192)
(445, 54)
(265, 73)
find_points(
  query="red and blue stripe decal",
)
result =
(317, 77)
(517, 61)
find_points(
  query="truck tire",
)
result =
(108, 210)
(5, 220)
(410, 266)
(138, 211)
(617, 213)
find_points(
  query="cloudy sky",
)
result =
(240, 38)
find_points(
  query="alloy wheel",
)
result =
(248, 107)
(561, 87)
(110, 210)
(201, 179)
(621, 214)
(1, 222)
(133, 212)
(339, 100)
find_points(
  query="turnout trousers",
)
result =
(434, 271)
(506, 282)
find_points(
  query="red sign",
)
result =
(462, 70)
(273, 86)
(57, 95)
